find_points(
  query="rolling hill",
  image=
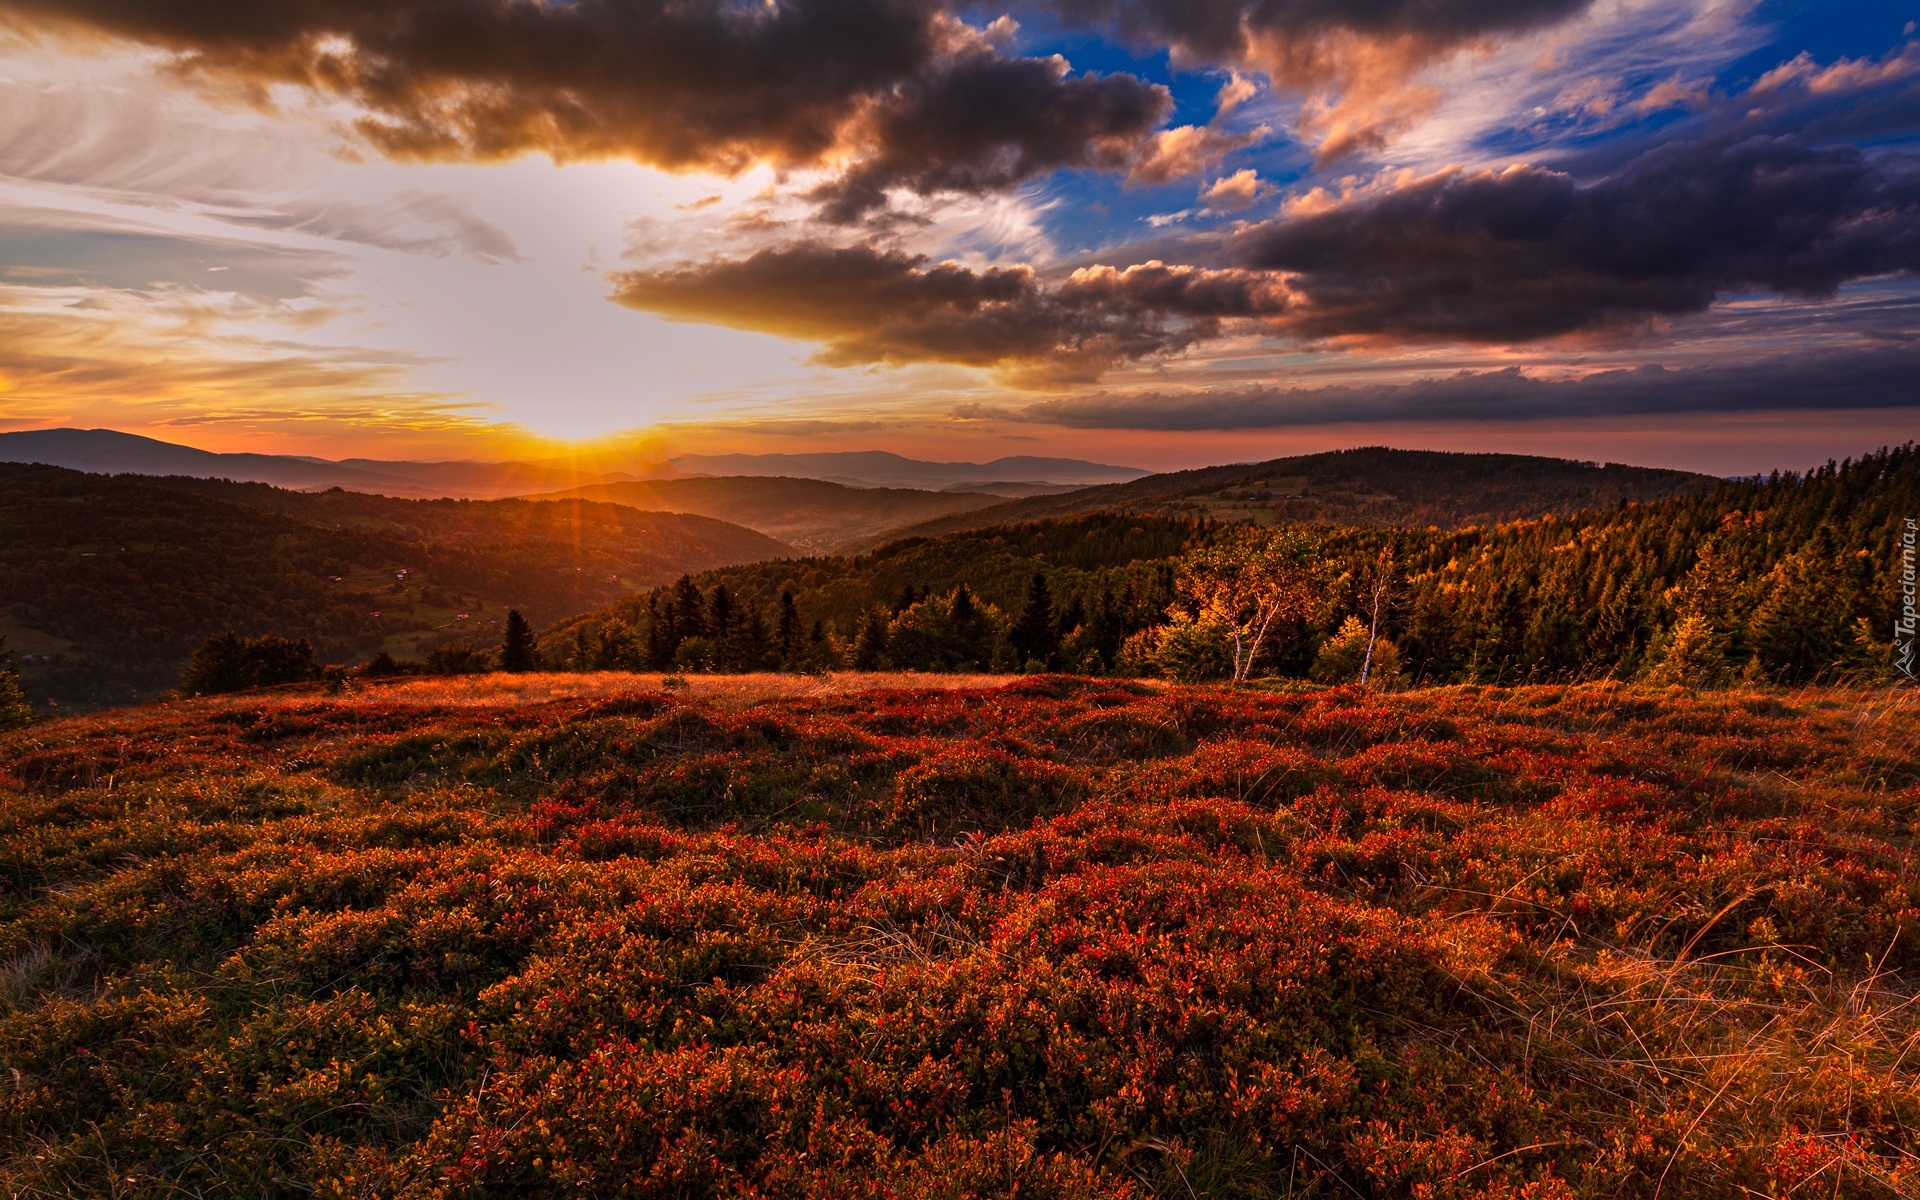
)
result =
(813, 515)
(1371, 486)
(632, 542)
(109, 583)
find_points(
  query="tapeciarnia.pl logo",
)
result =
(1903, 625)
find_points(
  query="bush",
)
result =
(1344, 655)
(458, 658)
(384, 666)
(1185, 649)
(228, 662)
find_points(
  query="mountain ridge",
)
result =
(883, 468)
(1448, 489)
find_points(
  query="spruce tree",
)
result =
(660, 640)
(1801, 630)
(745, 646)
(1035, 637)
(686, 613)
(517, 652)
(972, 632)
(788, 633)
(870, 648)
(1696, 655)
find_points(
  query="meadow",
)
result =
(910, 936)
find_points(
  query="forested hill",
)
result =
(1788, 579)
(108, 583)
(1369, 486)
(625, 539)
(1128, 559)
(814, 515)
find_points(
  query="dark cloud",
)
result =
(1862, 378)
(983, 123)
(1492, 256)
(1527, 253)
(907, 94)
(868, 305)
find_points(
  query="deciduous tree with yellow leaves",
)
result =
(1252, 583)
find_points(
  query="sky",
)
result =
(1162, 233)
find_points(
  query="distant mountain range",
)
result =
(109, 452)
(877, 468)
(812, 515)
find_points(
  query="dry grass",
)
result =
(727, 691)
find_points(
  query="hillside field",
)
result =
(968, 936)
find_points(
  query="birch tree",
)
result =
(1252, 584)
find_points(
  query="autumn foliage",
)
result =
(583, 935)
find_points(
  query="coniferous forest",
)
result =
(1789, 579)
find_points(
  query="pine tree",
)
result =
(517, 651)
(719, 613)
(1072, 617)
(1035, 637)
